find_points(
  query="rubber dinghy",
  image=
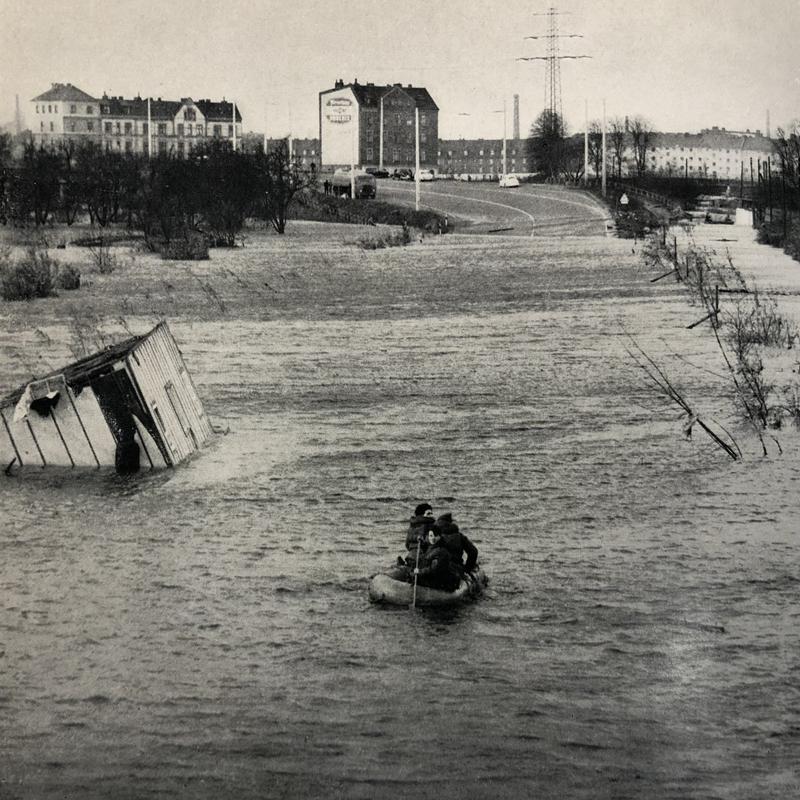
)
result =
(392, 588)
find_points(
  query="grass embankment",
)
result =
(785, 236)
(317, 207)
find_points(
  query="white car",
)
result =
(426, 175)
(509, 182)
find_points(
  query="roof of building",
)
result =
(222, 110)
(64, 91)
(369, 94)
(715, 139)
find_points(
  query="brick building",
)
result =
(65, 112)
(374, 125)
(482, 159)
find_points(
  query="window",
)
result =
(41, 126)
(55, 109)
(128, 128)
(199, 130)
(423, 137)
(480, 152)
(369, 154)
(189, 129)
(37, 109)
(162, 128)
(72, 126)
(119, 145)
(90, 109)
(51, 126)
(89, 125)
(180, 148)
(422, 156)
(49, 109)
(180, 129)
(128, 146)
(466, 152)
(369, 136)
(217, 131)
(73, 109)
(230, 131)
(162, 147)
(108, 127)
(423, 119)
(144, 128)
(189, 114)
(119, 128)
(313, 152)
(398, 119)
(395, 154)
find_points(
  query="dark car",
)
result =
(377, 172)
(403, 175)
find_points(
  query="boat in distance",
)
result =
(391, 588)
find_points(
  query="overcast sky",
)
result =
(683, 64)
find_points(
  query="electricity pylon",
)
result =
(552, 81)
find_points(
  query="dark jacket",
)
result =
(436, 570)
(456, 543)
(418, 527)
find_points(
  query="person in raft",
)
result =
(457, 543)
(419, 526)
(436, 569)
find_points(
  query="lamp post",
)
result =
(416, 159)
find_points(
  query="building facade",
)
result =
(372, 125)
(66, 113)
(482, 159)
(712, 153)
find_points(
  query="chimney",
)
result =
(516, 116)
(339, 84)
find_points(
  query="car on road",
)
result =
(403, 175)
(426, 175)
(377, 172)
(509, 182)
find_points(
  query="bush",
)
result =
(390, 240)
(104, 260)
(31, 277)
(193, 247)
(68, 278)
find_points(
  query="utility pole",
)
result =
(416, 159)
(233, 114)
(504, 137)
(380, 139)
(604, 148)
(586, 143)
(149, 131)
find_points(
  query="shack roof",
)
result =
(82, 372)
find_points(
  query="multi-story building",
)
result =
(65, 112)
(374, 125)
(482, 158)
(712, 153)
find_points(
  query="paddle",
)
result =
(416, 570)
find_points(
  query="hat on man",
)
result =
(422, 508)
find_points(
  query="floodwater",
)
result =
(205, 633)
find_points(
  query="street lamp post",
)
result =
(416, 159)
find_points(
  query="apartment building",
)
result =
(65, 112)
(375, 125)
(482, 158)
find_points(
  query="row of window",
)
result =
(399, 119)
(512, 152)
(53, 109)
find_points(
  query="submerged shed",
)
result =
(130, 406)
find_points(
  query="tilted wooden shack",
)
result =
(131, 405)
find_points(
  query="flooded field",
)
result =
(205, 633)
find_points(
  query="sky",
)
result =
(684, 65)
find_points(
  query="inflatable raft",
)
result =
(392, 588)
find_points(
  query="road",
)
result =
(530, 210)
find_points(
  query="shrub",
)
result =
(28, 278)
(194, 247)
(105, 262)
(68, 278)
(390, 240)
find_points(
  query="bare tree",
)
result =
(641, 135)
(596, 146)
(617, 136)
(788, 146)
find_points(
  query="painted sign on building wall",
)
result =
(339, 127)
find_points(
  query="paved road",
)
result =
(530, 210)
